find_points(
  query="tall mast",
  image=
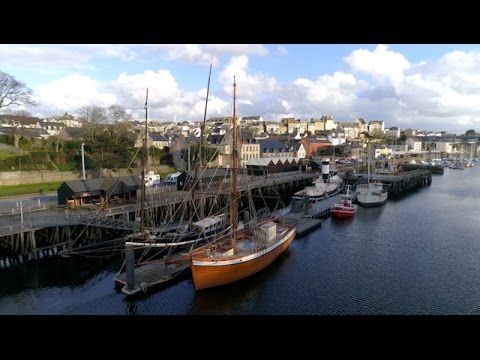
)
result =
(144, 165)
(368, 163)
(202, 128)
(234, 210)
(200, 147)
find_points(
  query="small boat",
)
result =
(346, 207)
(371, 193)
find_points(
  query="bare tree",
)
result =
(117, 113)
(92, 114)
(20, 113)
(14, 92)
(117, 116)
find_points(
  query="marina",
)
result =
(49, 230)
(410, 256)
(336, 179)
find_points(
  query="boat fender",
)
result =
(144, 286)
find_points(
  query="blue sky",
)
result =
(419, 86)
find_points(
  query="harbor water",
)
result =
(419, 254)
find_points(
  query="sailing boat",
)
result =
(244, 251)
(154, 272)
(371, 193)
(156, 268)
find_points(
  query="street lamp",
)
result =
(83, 162)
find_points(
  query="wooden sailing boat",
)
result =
(166, 253)
(141, 276)
(242, 252)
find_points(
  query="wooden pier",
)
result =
(46, 232)
(303, 223)
(39, 234)
(152, 275)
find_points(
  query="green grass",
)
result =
(27, 189)
(41, 188)
(4, 155)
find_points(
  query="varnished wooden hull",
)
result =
(215, 273)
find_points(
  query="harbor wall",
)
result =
(34, 177)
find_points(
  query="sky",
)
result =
(417, 86)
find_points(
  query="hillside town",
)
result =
(286, 138)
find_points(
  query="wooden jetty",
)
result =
(435, 169)
(304, 223)
(48, 231)
(146, 276)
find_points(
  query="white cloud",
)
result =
(206, 53)
(69, 94)
(447, 90)
(124, 52)
(52, 58)
(237, 49)
(249, 86)
(329, 94)
(166, 100)
(191, 53)
(58, 59)
(441, 93)
(132, 88)
(381, 64)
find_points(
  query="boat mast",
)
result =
(202, 128)
(200, 147)
(368, 164)
(144, 165)
(234, 209)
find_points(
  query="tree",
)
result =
(209, 153)
(118, 117)
(470, 132)
(109, 148)
(117, 113)
(21, 113)
(92, 114)
(17, 121)
(14, 92)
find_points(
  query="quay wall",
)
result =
(34, 177)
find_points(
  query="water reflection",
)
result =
(239, 297)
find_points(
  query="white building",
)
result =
(393, 132)
(414, 144)
(301, 151)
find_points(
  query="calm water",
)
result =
(416, 255)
